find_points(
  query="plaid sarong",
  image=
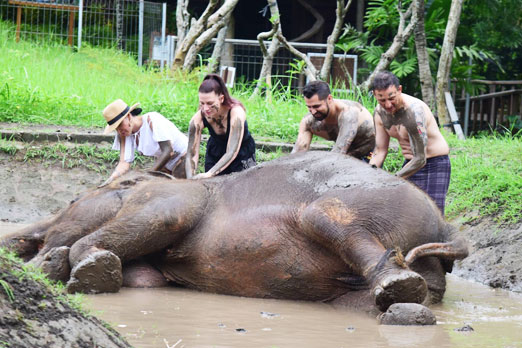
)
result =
(434, 179)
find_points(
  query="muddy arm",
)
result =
(304, 138)
(122, 167)
(382, 142)
(166, 154)
(415, 123)
(347, 131)
(194, 140)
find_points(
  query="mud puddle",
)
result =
(164, 317)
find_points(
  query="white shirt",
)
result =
(162, 130)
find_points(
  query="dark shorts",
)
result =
(434, 179)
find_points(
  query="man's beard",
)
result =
(323, 116)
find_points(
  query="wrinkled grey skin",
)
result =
(317, 226)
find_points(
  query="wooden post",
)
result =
(71, 28)
(453, 116)
(18, 22)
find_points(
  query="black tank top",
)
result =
(217, 147)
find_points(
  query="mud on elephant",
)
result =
(315, 226)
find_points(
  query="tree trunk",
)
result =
(201, 31)
(340, 13)
(426, 80)
(182, 19)
(446, 55)
(319, 21)
(217, 53)
(119, 24)
(268, 55)
(398, 41)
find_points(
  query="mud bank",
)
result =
(32, 316)
(30, 191)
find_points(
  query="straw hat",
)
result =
(115, 112)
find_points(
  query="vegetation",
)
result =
(10, 263)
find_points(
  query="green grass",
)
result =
(486, 177)
(10, 262)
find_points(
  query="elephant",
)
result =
(316, 226)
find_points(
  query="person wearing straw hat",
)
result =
(150, 134)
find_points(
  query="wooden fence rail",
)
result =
(488, 111)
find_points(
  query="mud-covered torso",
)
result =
(364, 140)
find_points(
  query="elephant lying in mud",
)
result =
(315, 226)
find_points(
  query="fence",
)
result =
(500, 106)
(246, 57)
(138, 27)
(125, 24)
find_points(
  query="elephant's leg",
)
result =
(142, 227)
(333, 224)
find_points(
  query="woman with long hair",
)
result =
(230, 147)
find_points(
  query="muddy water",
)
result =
(157, 317)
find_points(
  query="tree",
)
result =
(403, 33)
(279, 39)
(423, 57)
(194, 36)
(446, 55)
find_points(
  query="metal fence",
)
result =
(125, 24)
(139, 27)
(246, 58)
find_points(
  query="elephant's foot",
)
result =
(55, 263)
(99, 272)
(399, 286)
(392, 282)
(407, 314)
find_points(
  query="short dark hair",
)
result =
(383, 80)
(320, 88)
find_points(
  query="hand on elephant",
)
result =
(106, 182)
(202, 176)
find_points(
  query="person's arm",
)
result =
(382, 142)
(237, 129)
(192, 158)
(304, 138)
(415, 123)
(122, 167)
(166, 154)
(348, 124)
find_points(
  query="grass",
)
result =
(10, 262)
(486, 178)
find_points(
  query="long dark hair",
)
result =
(214, 83)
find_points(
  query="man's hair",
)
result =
(383, 80)
(320, 88)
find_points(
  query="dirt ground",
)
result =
(30, 191)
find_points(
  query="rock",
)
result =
(407, 314)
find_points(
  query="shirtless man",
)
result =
(346, 122)
(410, 121)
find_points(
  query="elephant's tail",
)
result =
(27, 241)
